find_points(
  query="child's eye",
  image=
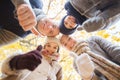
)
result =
(55, 47)
(54, 26)
(65, 44)
(48, 45)
(69, 39)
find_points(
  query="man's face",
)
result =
(67, 41)
(47, 28)
(70, 22)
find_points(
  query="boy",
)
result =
(95, 44)
(49, 69)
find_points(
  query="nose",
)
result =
(69, 45)
(50, 50)
(49, 27)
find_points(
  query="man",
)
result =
(30, 16)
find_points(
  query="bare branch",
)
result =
(58, 13)
(50, 1)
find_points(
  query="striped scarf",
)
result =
(103, 65)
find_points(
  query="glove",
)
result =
(28, 61)
(85, 66)
(94, 24)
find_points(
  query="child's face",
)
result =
(51, 48)
(67, 41)
(70, 22)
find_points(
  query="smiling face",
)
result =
(70, 22)
(68, 42)
(51, 48)
(47, 28)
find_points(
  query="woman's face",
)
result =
(70, 22)
(67, 41)
(51, 48)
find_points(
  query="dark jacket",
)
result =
(8, 20)
(71, 11)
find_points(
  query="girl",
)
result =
(48, 68)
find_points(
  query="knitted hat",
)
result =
(52, 39)
(63, 29)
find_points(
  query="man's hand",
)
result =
(26, 17)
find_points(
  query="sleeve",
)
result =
(66, 5)
(39, 15)
(36, 3)
(111, 49)
(7, 37)
(19, 2)
(6, 69)
(59, 74)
